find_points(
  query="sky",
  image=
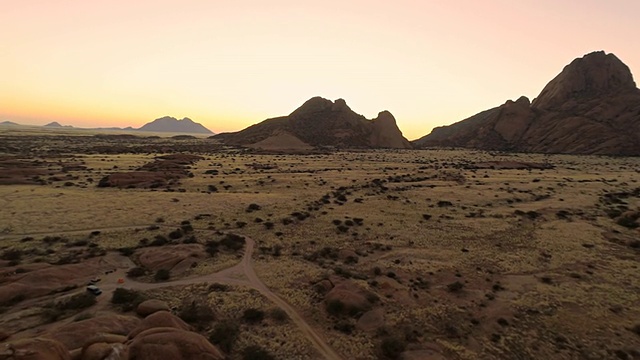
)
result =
(230, 64)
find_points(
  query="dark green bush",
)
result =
(392, 347)
(198, 314)
(136, 272)
(255, 352)
(190, 240)
(176, 234)
(627, 222)
(162, 275)
(233, 242)
(126, 251)
(278, 315)
(335, 307)
(252, 315)
(12, 255)
(455, 286)
(224, 335)
(159, 241)
(78, 301)
(126, 298)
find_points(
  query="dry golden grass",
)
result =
(565, 291)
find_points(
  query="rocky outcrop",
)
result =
(321, 122)
(103, 346)
(163, 170)
(371, 320)
(171, 343)
(591, 107)
(74, 335)
(160, 319)
(45, 279)
(595, 75)
(149, 307)
(34, 349)
(345, 297)
(160, 335)
(175, 258)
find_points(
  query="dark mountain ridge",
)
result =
(321, 122)
(591, 107)
(171, 124)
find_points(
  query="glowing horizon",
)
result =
(228, 65)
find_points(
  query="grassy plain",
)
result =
(542, 267)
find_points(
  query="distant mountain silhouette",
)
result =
(171, 124)
(55, 124)
(9, 123)
(591, 107)
(321, 122)
(164, 124)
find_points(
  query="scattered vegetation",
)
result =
(224, 335)
(126, 299)
(197, 313)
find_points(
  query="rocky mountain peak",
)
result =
(385, 117)
(591, 107)
(340, 105)
(322, 122)
(313, 105)
(595, 74)
(171, 124)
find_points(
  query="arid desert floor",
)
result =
(362, 254)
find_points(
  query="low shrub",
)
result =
(12, 255)
(233, 242)
(159, 240)
(162, 275)
(224, 335)
(127, 299)
(198, 314)
(136, 272)
(392, 347)
(278, 315)
(255, 352)
(78, 301)
(455, 287)
(126, 251)
(253, 316)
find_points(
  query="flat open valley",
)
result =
(361, 254)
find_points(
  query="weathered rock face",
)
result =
(161, 319)
(321, 122)
(596, 74)
(171, 343)
(44, 279)
(353, 298)
(591, 107)
(175, 258)
(160, 335)
(74, 335)
(371, 320)
(104, 346)
(149, 307)
(34, 349)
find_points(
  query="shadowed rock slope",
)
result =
(321, 122)
(591, 107)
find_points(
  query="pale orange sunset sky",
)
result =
(229, 64)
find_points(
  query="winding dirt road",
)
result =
(241, 274)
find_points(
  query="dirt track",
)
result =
(241, 274)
